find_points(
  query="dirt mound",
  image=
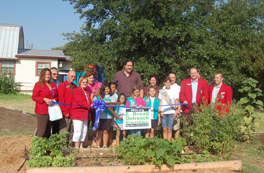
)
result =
(14, 121)
(12, 152)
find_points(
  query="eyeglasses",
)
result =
(55, 74)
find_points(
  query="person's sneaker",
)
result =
(97, 147)
(104, 146)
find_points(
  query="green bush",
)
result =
(40, 161)
(250, 100)
(216, 133)
(135, 151)
(52, 146)
(7, 83)
(60, 161)
(46, 152)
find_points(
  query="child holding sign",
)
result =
(106, 117)
(135, 101)
(152, 101)
(120, 113)
(168, 113)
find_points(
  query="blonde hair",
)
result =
(156, 94)
(135, 87)
(81, 79)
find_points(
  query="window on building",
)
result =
(41, 65)
(7, 67)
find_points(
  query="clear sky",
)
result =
(43, 21)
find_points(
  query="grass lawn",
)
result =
(22, 102)
(259, 122)
(251, 154)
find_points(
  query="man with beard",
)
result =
(127, 78)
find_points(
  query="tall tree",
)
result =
(171, 35)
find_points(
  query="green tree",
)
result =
(171, 35)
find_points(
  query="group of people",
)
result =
(126, 89)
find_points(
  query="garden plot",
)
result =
(141, 154)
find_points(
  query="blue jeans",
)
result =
(167, 121)
(135, 131)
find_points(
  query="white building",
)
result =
(26, 64)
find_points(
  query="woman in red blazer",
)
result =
(43, 93)
(79, 113)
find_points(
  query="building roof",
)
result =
(40, 52)
(68, 58)
(11, 39)
(10, 25)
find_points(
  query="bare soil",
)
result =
(15, 121)
(12, 153)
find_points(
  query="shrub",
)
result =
(216, 133)
(7, 83)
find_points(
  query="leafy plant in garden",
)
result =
(40, 161)
(135, 151)
(250, 100)
(60, 161)
(251, 92)
(46, 152)
(52, 146)
(216, 133)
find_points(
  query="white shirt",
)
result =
(176, 88)
(167, 109)
(215, 92)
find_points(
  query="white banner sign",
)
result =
(136, 118)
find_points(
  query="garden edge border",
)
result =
(231, 165)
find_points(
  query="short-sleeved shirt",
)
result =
(125, 84)
(173, 97)
(107, 114)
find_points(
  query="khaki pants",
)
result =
(176, 124)
(44, 125)
(66, 126)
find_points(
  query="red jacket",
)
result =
(79, 99)
(65, 96)
(186, 93)
(39, 93)
(224, 97)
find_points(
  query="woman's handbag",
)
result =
(55, 112)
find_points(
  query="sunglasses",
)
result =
(55, 74)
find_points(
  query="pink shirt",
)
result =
(90, 88)
(139, 101)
